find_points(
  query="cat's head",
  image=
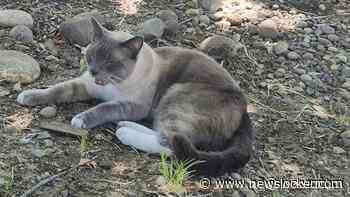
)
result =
(109, 59)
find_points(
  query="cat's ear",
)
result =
(134, 45)
(97, 29)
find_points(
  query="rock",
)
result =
(345, 135)
(11, 18)
(217, 15)
(300, 71)
(48, 112)
(212, 5)
(280, 47)
(48, 143)
(308, 56)
(234, 19)
(338, 150)
(325, 29)
(2, 181)
(223, 25)
(204, 19)
(153, 28)
(220, 46)
(324, 41)
(37, 152)
(170, 20)
(306, 78)
(322, 7)
(18, 67)
(106, 164)
(161, 181)
(268, 29)
(346, 85)
(308, 30)
(346, 72)
(167, 15)
(3, 32)
(302, 24)
(280, 72)
(333, 37)
(293, 55)
(192, 12)
(51, 46)
(192, 3)
(333, 49)
(42, 135)
(22, 33)
(235, 194)
(79, 29)
(345, 94)
(65, 193)
(4, 91)
(342, 58)
(275, 6)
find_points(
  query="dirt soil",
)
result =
(298, 128)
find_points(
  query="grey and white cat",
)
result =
(197, 109)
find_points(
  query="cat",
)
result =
(198, 110)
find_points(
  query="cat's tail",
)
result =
(231, 159)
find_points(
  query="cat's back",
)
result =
(190, 65)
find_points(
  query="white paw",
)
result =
(140, 140)
(137, 127)
(78, 121)
(28, 97)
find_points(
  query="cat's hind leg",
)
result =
(69, 91)
(149, 141)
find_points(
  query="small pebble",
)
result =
(322, 7)
(308, 56)
(338, 150)
(48, 112)
(293, 55)
(192, 12)
(275, 6)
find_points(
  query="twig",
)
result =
(249, 57)
(111, 143)
(185, 21)
(266, 107)
(52, 178)
(301, 112)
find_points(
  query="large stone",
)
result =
(11, 18)
(22, 33)
(153, 28)
(268, 29)
(325, 29)
(212, 5)
(345, 135)
(167, 15)
(18, 67)
(281, 47)
(220, 46)
(79, 29)
(170, 20)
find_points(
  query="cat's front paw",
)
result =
(79, 121)
(31, 97)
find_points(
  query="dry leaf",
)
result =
(88, 163)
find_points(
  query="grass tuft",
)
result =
(175, 172)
